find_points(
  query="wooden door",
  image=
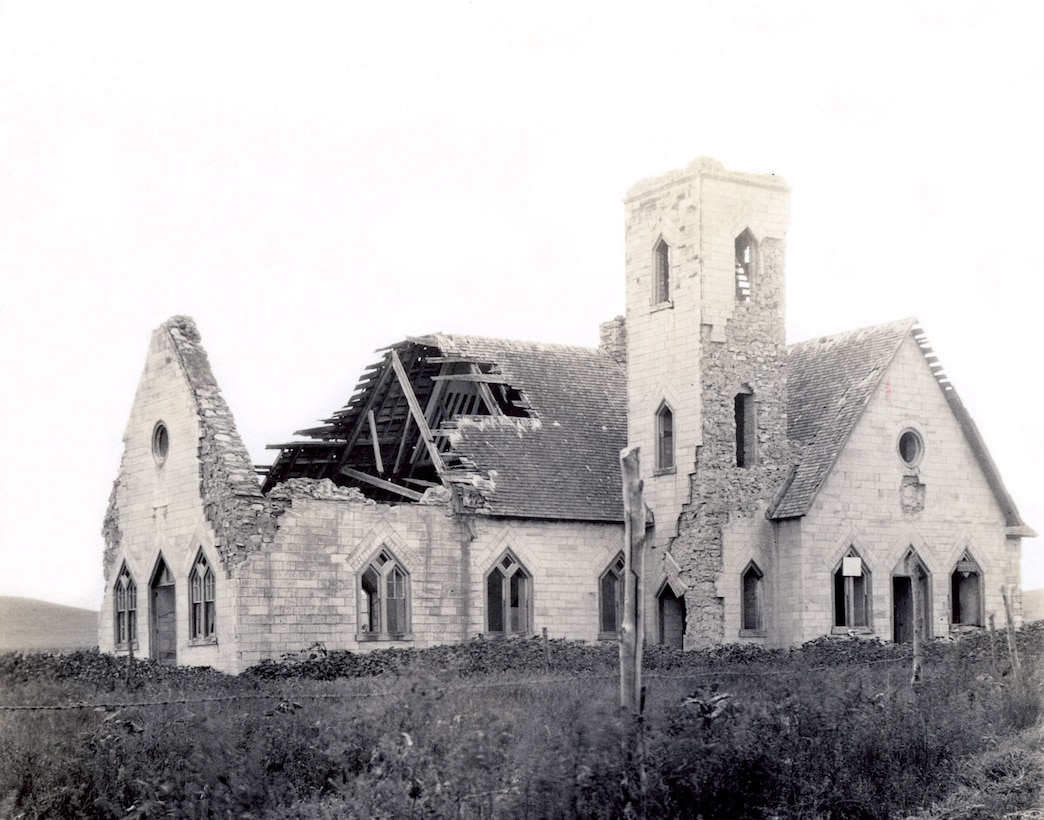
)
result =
(164, 643)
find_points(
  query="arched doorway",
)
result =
(671, 609)
(164, 621)
(910, 588)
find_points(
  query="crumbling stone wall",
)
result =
(753, 355)
(201, 496)
(694, 352)
(612, 339)
(111, 531)
(242, 518)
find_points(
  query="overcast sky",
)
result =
(313, 181)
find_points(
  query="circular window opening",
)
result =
(910, 447)
(160, 443)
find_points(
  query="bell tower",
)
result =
(706, 363)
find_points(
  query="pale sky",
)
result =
(312, 181)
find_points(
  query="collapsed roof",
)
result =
(534, 430)
(509, 428)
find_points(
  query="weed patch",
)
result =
(524, 728)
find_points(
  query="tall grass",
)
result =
(513, 729)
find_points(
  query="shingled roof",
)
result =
(538, 436)
(565, 462)
(830, 381)
(534, 430)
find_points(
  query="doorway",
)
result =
(672, 618)
(164, 643)
(903, 607)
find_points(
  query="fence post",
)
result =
(1013, 649)
(632, 629)
(918, 625)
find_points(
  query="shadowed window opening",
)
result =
(611, 598)
(746, 258)
(751, 618)
(664, 438)
(125, 609)
(384, 611)
(508, 598)
(202, 603)
(662, 273)
(746, 429)
(852, 592)
(966, 593)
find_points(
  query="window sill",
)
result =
(752, 633)
(852, 630)
(202, 641)
(658, 306)
(122, 647)
(608, 636)
(367, 637)
(665, 471)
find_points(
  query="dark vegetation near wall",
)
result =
(527, 728)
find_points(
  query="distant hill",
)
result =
(30, 625)
(1032, 604)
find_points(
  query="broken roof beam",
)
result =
(391, 487)
(418, 417)
(362, 416)
(456, 360)
(482, 378)
(484, 390)
(313, 444)
(376, 441)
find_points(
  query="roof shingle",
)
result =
(829, 381)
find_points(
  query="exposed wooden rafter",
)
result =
(483, 378)
(366, 478)
(361, 420)
(376, 441)
(418, 418)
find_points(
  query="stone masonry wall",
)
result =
(861, 504)
(155, 508)
(305, 587)
(695, 352)
(726, 497)
(203, 496)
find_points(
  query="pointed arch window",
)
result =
(664, 438)
(750, 601)
(125, 609)
(509, 597)
(746, 261)
(852, 593)
(384, 601)
(966, 593)
(611, 599)
(202, 600)
(661, 273)
(746, 428)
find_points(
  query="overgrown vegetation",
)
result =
(526, 728)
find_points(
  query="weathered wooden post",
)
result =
(914, 569)
(130, 662)
(1013, 648)
(632, 635)
(632, 623)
